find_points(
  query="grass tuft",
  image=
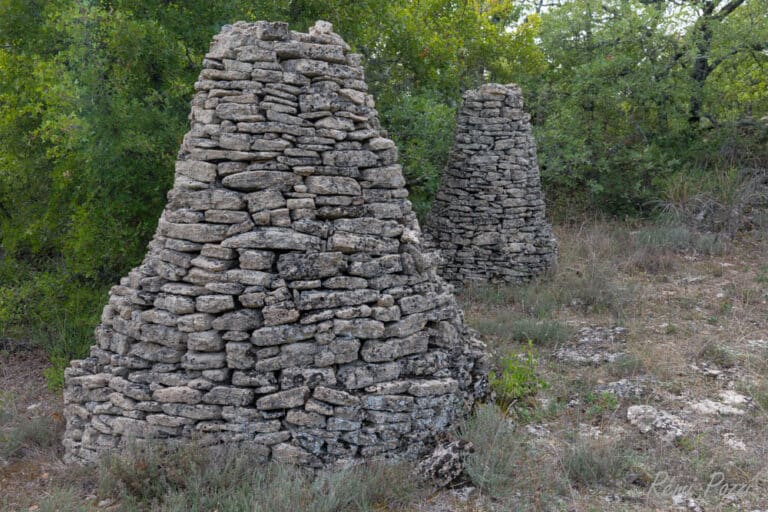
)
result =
(594, 461)
(20, 432)
(498, 451)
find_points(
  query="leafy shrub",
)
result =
(54, 310)
(422, 125)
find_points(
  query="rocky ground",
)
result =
(655, 366)
(660, 403)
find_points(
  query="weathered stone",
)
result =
(258, 180)
(214, 303)
(359, 328)
(355, 376)
(205, 341)
(273, 238)
(333, 185)
(243, 320)
(284, 399)
(178, 394)
(380, 351)
(333, 299)
(278, 335)
(350, 158)
(203, 360)
(310, 266)
(226, 395)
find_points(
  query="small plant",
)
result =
(689, 443)
(714, 353)
(495, 464)
(594, 462)
(599, 404)
(517, 379)
(627, 365)
(762, 275)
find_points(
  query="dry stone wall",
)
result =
(488, 216)
(285, 301)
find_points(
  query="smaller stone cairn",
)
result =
(488, 216)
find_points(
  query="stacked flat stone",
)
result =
(488, 216)
(285, 301)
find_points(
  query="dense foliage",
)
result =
(626, 95)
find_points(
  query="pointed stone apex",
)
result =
(321, 27)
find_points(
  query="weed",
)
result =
(518, 378)
(762, 275)
(61, 500)
(670, 236)
(759, 394)
(540, 332)
(600, 404)
(719, 204)
(596, 289)
(537, 299)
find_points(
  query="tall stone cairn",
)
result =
(488, 216)
(285, 301)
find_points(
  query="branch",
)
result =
(728, 9)
(756, 47)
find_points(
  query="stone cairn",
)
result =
(488, 216)
(285, 301)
